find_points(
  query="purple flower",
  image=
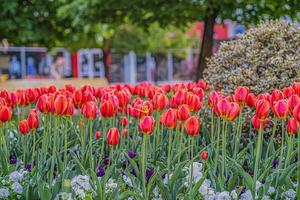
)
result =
(13, 159)
(106, 160)
(275, 163)
(235, 186)
(131, 154)
(100, 171)
(28, 167)
(133, 172)
(149, 173)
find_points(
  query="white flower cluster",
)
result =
(81, 185)
(4, 193)
(12, 184)
(127, 180)
(16, 176)
(157, 195)
(111, 185)
(63, 196)
(289, 195)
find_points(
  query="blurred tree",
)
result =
(179, 13)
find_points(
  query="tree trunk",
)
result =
(206, 44)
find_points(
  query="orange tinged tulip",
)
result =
(77, 98)
(60, 105)
(160, 101)
(183, 112)
(108, 109)
(89, 110)
(169, 118)
(113, 137)
(23, 127)
(293, 101)
(296, 87)
(288, 91)
(292, 126)
(281, 109)
(276, 96)
(223, 107)
(146, 125)
(213, 99)
(33, 120)
(234, 111)
(193, 102)
(251, 100)
(192, 126)
(43, 104)
(70, 108)
(180, 97)
(262, 109)
(5, 113)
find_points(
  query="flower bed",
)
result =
(149, 142)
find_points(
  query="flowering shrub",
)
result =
(149, 142)
(263, 59)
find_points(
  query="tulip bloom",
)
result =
(257, 123)
(204, 155)
(60, 105)
(213, 99)
(223, 107)
(193, 102)
(113, 137)
(192, 126)
(183, 112)
(5, 113)
(160, 101)
(97, 134)
(296, 87)
(23, 127)
(169, 118)
(43, 104)
(89, 110)
(33, 120)
(292, 126)
(234, 111)
(146, 125)
(108, 109)
(281, 109)
(240, 94)
(262, 109)
(251, 100)
(296, 112)
(293, 101)
(288, 91)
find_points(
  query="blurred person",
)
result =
(30, 67)
(57, 67)
(15, 68)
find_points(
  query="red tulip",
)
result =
(240, 94)
(204, 155)
(70, 108)
(108, 109)
(293, 101)
(203, 84)
(169, 118)
(276, 96)
(60, 105)
(89, 110)
(77, 98)
(160, 101)
(23, 127)
(288, 91)
(113, 137)
(192, 126)
(257, 123)
(262, 109)
(33, 120)
(234, 111)
(51, 89)
(146, 125)
(193, 102)
(292, 126)
(180, 96)
(98, 134)
(223, 107)
(281, 109)
(296, 112)
(123, 121)
(213, 99)
(199, 92)
(251, 100)
(183, 112)
(173, 103)
(123, 98)
(296, 87)
(43, 104)
(5, 113)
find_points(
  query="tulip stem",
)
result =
(223, 148)
(144, 164)
(272, 137)
(212, 127)
(282, 143)
(91, 144)
(169, 153)
(53, 150)
(257, 158)
(238, 136)
(290, 138)
(218, 144)
(33, 147)
(191, 159)
(65, 144)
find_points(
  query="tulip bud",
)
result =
(262, 109)
(43, 104)
(160, 101)
(33, 120)
(192, 126)
(169, 118)
(123, 121)
(251, 100)
(24, 127)
(108, 109)
(258, 123)
(60, 105)
(240, 94)
(5, 113)
(125, 132)
(147, 124)
(98, 134)
(281, 109)
(113, 137)
(292, 126)
(204, 155)
(296, 87)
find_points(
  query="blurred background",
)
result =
(124, 41)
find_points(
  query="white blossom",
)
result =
(247, 195)
(17, 188)
(127, 180)
(111, 184)
(289, 195)
(223, 196)
(80, 185)
(63, 196)
(4, 193)
(271, 190)
(16, 176)
(234, 194)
